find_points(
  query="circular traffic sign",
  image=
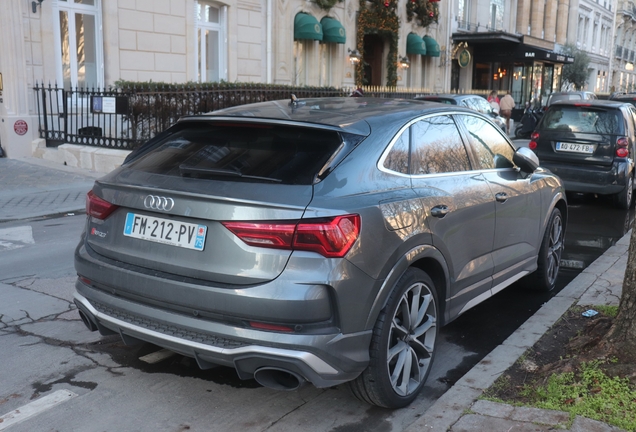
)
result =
(20, 127)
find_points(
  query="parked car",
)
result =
(571, 96)
(321, 240)
(624, 97)
(590, 146)
(474, 102)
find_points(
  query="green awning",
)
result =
(333, 31)
(432, 47)
(415, 44)
(307, 27)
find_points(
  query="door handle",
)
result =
(439, 211)
(501, 197)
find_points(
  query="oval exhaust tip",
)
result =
(278, 379)
(87, 322)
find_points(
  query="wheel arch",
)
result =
(426, 258)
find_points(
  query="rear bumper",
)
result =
(323, 360)
(591, 178)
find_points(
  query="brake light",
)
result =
(97, 207)
(532, 145)
(622, 145)
(330, 237)
(582, 104)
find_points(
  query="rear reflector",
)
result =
(273, 327)
(330, 237)
(97, 207)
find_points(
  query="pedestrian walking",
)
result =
(506, 104)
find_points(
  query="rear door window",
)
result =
(242, 152)
(436, 147)
(583, 119)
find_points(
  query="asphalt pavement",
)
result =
(32, 188)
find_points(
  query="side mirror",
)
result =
(526, 159)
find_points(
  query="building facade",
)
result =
(595, 29)
(623, 77)
(512, 46)
(96, 43)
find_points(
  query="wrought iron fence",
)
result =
(72, 116)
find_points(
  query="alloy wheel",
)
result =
(555, 247)
(412, 339)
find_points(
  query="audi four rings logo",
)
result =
(158, 203)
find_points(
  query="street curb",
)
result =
(458, 400)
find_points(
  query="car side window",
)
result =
(437, 147)
(482, 106)
(492, 148)
(398, 158)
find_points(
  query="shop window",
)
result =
(79, 45)
(211, 42)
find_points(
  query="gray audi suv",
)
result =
(318, 240)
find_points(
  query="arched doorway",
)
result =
(373, 56)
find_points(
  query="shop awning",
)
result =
(332, 31)
(415, 44)
(307, 27)
(432, 47)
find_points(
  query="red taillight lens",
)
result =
(534, 136)
(97, 207)
(331, 237)
(532, 145)
(269, 235)
(272, 327)
(622, 145)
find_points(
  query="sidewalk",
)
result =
(34, 187)
(459, 409)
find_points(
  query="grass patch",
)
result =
(589, 393)
(610, 311)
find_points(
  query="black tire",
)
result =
(395, 347)
(623, 200)
(544, 278)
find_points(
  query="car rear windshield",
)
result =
(583, 119)
(243, 152)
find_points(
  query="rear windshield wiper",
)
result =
(210, 172)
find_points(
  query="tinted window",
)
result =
(493, 150)
(582, 119)
(242, 152)
(398, 158)
(437, 147)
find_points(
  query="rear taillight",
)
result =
(330, 237)
(622, 147)
(534, 136)
(97, 207)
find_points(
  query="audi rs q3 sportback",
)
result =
(320, 240)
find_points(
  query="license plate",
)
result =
(166, 231)
(573, 264)
(575, 148)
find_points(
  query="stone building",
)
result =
(622, 73)
(512, 46)
(594, 36)
(95, 43)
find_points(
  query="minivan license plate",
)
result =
(575, 148)
(166, 231)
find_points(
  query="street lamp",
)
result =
(354, 56)
(35, 4)
(405, 63)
